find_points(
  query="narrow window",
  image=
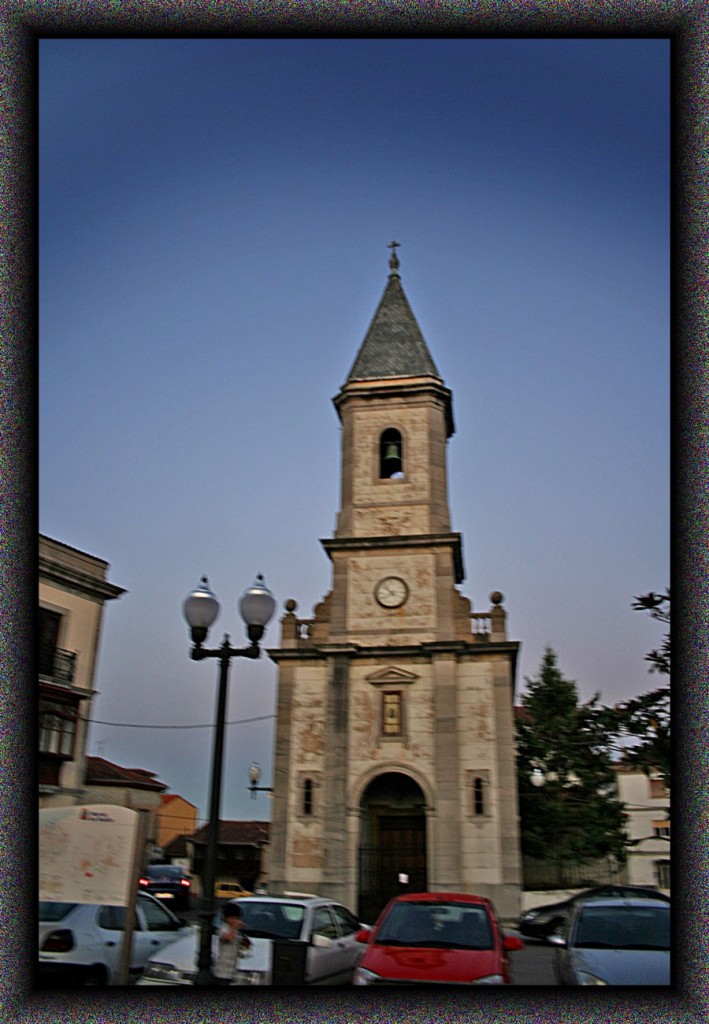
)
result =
(478, 798)
(49, 623)
(57, 728)
(308, 796)
(391, 714)
(662, 873)
(391, 455)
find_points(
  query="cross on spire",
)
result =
(393, 259)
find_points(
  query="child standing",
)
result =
(232, 942)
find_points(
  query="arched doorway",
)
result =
(392, 842)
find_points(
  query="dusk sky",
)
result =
(214, 216)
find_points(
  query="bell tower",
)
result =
(395, 744)
(393, 541)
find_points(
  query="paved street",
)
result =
(533, 964)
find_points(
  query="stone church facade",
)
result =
(394, 759)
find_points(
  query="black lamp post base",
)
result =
(205, 979)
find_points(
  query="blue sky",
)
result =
(214, 217)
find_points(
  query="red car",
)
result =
(436, 938)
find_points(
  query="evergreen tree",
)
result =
(575, 816)
(646, 719)
(658, 605)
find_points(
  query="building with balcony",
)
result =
(647, 808)
(73, 588)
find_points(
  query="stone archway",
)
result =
(392, 841)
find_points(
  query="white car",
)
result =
(80, 943)
(294, 940)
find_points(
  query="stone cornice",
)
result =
(459, 648)
(395, 388)
(49, 687)
(76, 581)
(421, 540)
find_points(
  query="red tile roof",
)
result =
(238, 833)
(165, 798)
(100, 772)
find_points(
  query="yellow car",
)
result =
(230, 891)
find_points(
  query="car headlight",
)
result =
(529, 915)
(249, 978)
(590, 979)
(362, 976)
(169, 973)
(490, 979)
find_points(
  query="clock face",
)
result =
(391, 592)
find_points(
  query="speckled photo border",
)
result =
(23, 24)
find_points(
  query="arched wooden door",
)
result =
(392, 842)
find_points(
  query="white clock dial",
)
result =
(391, 592)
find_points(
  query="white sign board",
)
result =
(86, 854)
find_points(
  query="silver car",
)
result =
(80, 943)
(294, 940)
(614, 942)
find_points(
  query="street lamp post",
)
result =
(254, 779)
(201, 608)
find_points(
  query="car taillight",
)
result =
(59, 941)
(184, 881)
(143, 881)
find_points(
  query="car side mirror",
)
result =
(363, 935)
(321, 942)
(554, 939)
(512, 943)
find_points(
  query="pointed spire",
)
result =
(394, 345)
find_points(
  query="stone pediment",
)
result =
(391, 675)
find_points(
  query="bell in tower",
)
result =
(391, 463)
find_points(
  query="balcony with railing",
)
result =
(488, 627)
(56, 664)
(481, 625)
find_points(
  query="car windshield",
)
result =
(623, 927)
(53, 911)
(436, 925)
(273, 920)
(163, 871)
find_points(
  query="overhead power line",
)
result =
(209, 725)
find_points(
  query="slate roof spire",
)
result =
(394, 345)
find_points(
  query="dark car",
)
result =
(614, 942)
(169, 883)
(540, 922)
(436, 939)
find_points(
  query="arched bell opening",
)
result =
(392, 848)
(391, 455)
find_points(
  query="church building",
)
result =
(394, 758)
